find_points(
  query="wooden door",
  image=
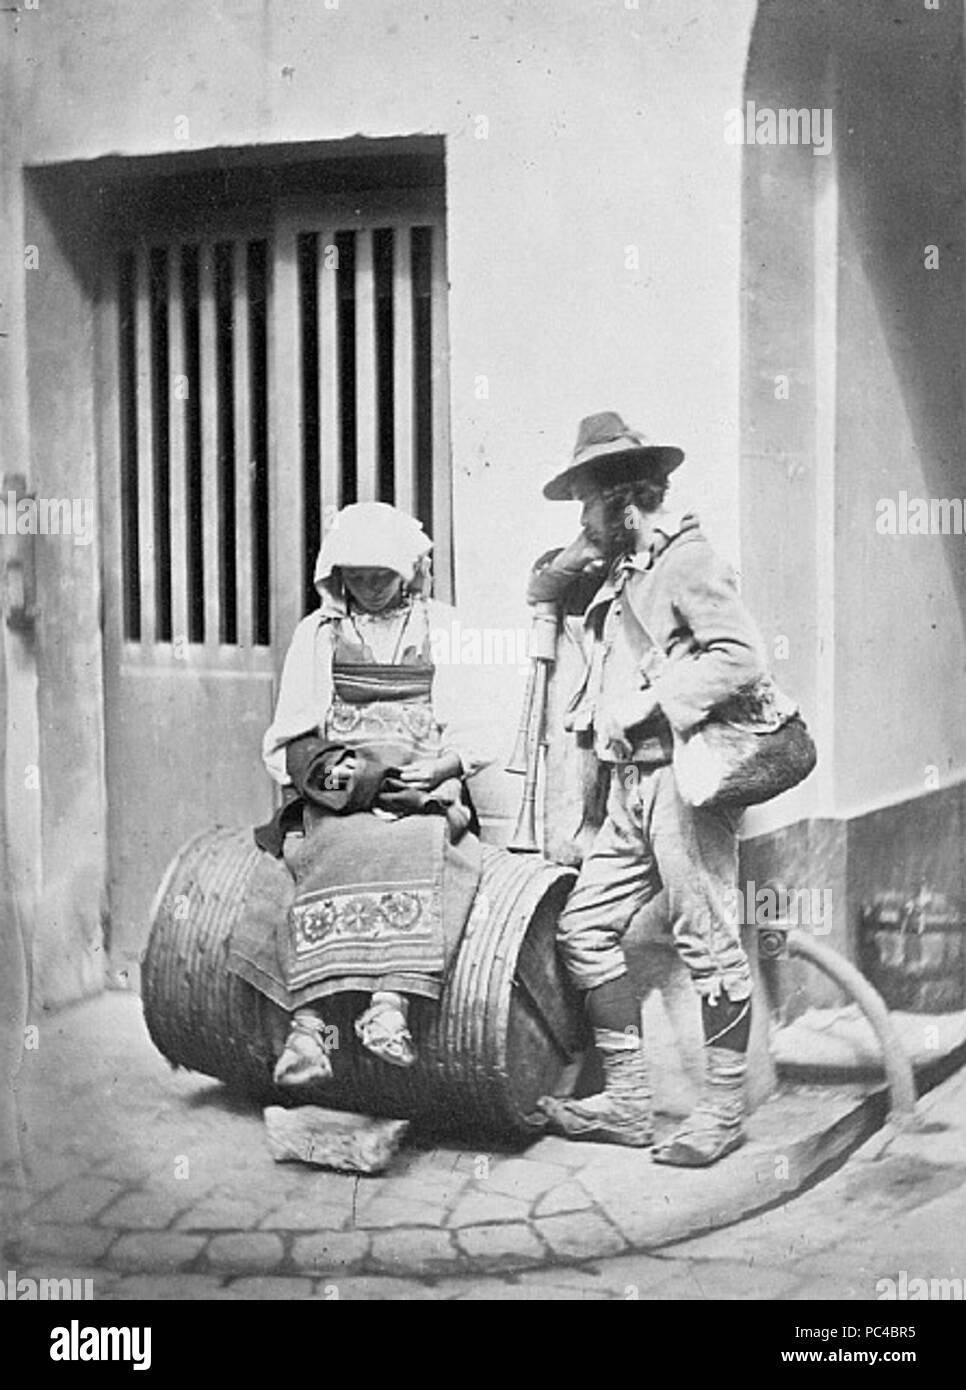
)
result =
(253, 373)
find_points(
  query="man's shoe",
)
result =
(621, 1112)
(600, 1119)
(715, 1126)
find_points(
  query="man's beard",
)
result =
(615, 540)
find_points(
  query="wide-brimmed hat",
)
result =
(608, 451)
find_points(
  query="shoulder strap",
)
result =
(681, 538)
(628, 612)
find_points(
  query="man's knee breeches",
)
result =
(650, 840)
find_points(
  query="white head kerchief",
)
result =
(372, 534)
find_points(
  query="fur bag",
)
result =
(750, 750)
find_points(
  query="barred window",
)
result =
(264, 381)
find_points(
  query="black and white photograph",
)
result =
(483, 663)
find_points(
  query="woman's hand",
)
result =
(426, 773)
(339, 775)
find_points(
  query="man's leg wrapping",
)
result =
(616, 879)
(697, 857)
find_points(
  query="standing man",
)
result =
(669, 641)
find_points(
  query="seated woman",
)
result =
(372, 743)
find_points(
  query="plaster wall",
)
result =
(839, 300)
(593, 246)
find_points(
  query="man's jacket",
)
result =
(680, 598)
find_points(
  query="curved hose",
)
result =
(898, 1068)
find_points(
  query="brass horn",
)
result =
(518, 758)
(532, 734)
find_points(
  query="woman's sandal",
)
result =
(382, 1031)
(304, 1060)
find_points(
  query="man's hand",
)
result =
(426, 773)
(614, 726)
(580, 554)
(572, 569)
(638, 708)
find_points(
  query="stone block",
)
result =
(524, 1178)
(272, 1287)
(154, 1252)
(415, 1250)
(77, 1202)
(580, 1235)
(479, 1207)
(82, 1243)
(566, 1196)
(332, 1138)
(245, 1251)
(149, 1211)
(330, 1251)
(511, 1245)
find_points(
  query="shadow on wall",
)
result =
(891, 74)
(838, 296)
(899, 84)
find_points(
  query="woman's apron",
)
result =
(379, 902)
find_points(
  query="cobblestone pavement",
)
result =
(158, 1184)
